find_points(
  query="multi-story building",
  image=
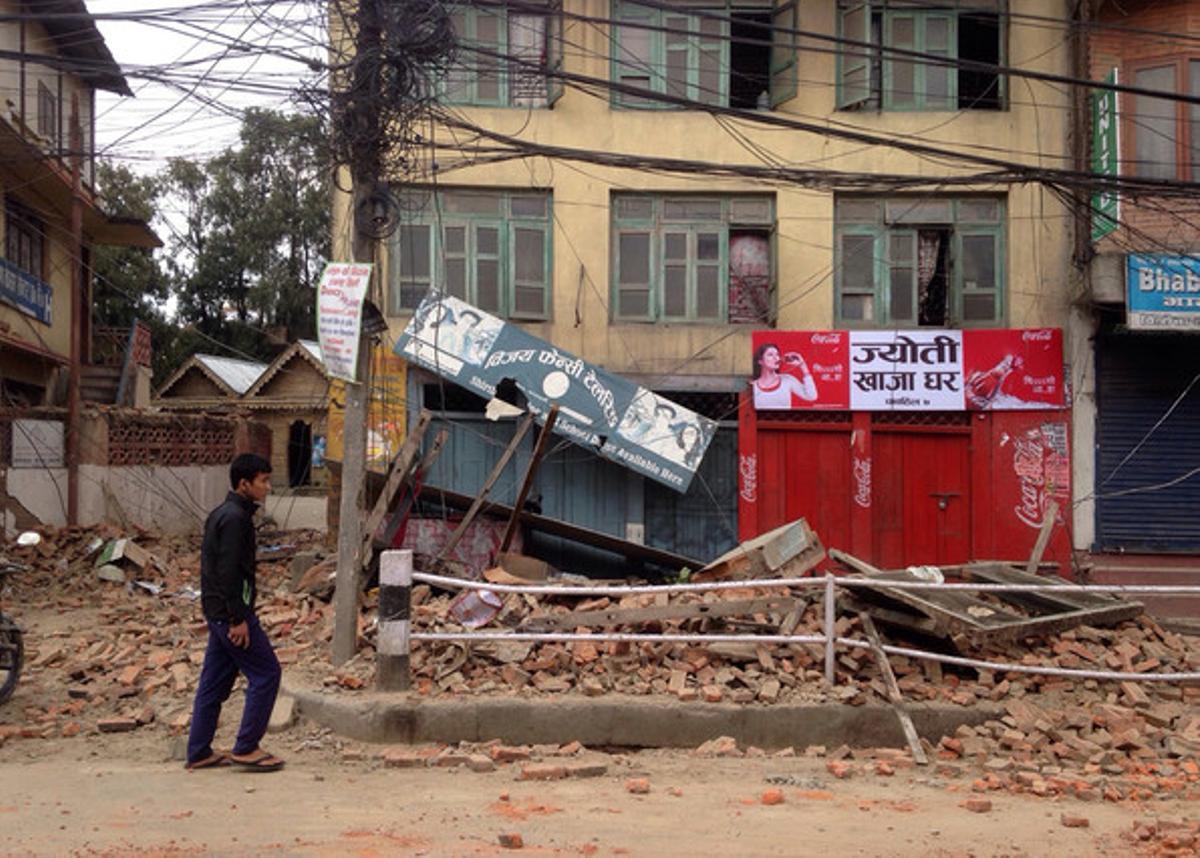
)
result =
(1138, 413)
(53, 60)
(687, 174)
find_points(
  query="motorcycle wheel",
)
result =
(12, 655)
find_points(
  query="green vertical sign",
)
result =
(1106, 204)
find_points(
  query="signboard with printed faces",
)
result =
(610, 415)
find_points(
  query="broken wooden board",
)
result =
(568, 530)
(525, 568)
(969, 620)
(792, 550)
(634, 616)
(893, 688)
(1107, 608)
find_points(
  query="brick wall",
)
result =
(1153, 224)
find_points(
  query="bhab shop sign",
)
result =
(610, 415)
(917, 370)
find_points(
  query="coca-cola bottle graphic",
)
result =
(983, 386)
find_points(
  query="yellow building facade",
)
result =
(1030, 128)
(49, 73)
(645, 184)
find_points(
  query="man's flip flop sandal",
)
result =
(215, 761)
(265, 763)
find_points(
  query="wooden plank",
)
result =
(1043, 537)
(397, 514)
(633, 616)
(396, 477)
(794, 547)
(568, 530)
(538, 451)
(1064, 600)
(1049, 624)
(505, 457)
(901, 619)
(889, 677)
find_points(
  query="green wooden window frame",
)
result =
(875, 267)
(480, 80)
(670, 254)
(493, 249)
(868, 77)
(686, 54)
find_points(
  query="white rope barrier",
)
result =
(631, 637)
(778, 583)
(1001, 667)
(828, 641)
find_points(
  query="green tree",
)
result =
(128, 282)
(253, 234)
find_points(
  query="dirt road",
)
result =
(121, 795)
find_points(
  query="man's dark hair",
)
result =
(247, 466)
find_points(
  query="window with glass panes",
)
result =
(919, 261)
(489, 248)
(672, 257)
(24, 239)
(506, 56)
(1163, 133)
(728, 54)
(872, 77)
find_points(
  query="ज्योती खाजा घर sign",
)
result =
(1002, 369)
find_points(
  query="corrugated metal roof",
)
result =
(314, 349)
(238, 374)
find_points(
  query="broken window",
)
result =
(693, 258)
(924, 262)
(489, 248)
(877, 68)
(738, 54)
(505, 57)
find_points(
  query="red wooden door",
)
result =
(806, 473)
(921, 498)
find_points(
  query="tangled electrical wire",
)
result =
(388, 59)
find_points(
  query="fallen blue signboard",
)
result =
(610, 415)
(27, 293)
(1162, 292)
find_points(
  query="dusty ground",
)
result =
(96, 651)
(122, 795)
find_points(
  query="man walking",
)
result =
(236, 642)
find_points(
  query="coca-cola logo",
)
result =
(830, 339)
(862, 482)
(748, 469)
(1044, 335)
(1030, 467)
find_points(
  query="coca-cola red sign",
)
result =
(1010, 369)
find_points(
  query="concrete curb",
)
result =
(623, 721)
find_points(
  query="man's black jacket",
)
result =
(227, 588)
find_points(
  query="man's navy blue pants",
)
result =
(222, 663)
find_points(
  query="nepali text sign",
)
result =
(22, 290)
(917, 370)
(1106, 203)
(610, 415)
(1162, 292)
(339, 316)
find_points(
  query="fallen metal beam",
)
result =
(567, 530)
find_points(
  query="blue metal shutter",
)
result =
(701, 523)
(1139, 377)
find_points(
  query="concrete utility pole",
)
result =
(365, 173)
(74, 405)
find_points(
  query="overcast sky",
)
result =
(162, 121)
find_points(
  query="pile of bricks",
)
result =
(123, 656)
